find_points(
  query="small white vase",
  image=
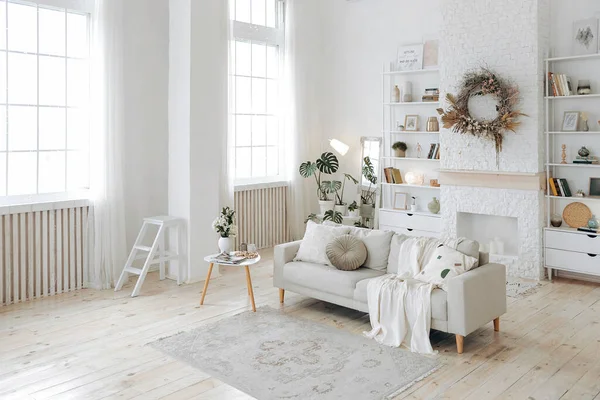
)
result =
(225, 244)
(326, 205)
(342, 209)
(354, 213)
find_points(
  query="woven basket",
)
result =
(577, 215)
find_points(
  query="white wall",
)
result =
(146, 117)
(359, 38)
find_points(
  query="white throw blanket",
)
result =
(400, 306)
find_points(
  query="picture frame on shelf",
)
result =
(570, 121)
(411, 123)
(409, 58)
(430, 54)
(585, 36)
(400, 201)
(595, 187)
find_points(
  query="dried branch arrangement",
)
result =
(483, 82)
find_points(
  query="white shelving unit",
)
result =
(421, 222)
(567, 249)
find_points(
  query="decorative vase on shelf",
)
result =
(583, 152)
(555, 220)
(434, 206)
(224, 244)
(432, 124)
(396, 94)
(407, 92)
(593, 223)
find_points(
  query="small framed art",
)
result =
(570, 121)
(400, 200)
(411, 123)
(585, 36)
(595, 187)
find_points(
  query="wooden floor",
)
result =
(92, 344)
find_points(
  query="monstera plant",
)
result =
(327, 164)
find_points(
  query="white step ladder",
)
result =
(149, 253)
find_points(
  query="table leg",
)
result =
(250, 291)
(210, 267)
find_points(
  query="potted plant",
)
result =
(353, 209)
(326, 164)
(225, 226)
(340, 206)
(400, 149)
(367, 197)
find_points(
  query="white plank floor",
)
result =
(92, 344)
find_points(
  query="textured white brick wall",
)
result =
(510, 37)
(521, 204)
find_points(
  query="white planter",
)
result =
(354, 213)
(225, 244)
(367, 210)
(326, 205)
(343, 209)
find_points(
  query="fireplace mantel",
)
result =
(493, 179)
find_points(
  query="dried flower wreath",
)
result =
(483, 82)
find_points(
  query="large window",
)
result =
(44, 95)
(256, 51)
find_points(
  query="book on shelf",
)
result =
(431, 148)
(392, 175)
(566, 187)
(559, 187)
(434, 152)
(559, 85)
(552, 186)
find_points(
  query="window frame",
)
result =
(82, 7)
(270, 36)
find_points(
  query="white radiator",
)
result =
(42, 253)
(261, 216)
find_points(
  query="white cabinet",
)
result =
(411, 224)
(572, 251)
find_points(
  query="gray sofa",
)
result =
(473, 299)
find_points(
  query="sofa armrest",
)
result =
(283, 254)
(476, 298)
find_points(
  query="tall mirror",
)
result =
(371, 148)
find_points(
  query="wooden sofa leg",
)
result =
(281, 295)
(497, 324)
(460, 341)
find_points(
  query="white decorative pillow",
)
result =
(445, 264)
(378, 246)
(316, 238)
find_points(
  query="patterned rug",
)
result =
(271, 355)
(519, 290)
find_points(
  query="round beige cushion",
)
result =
(346, 252)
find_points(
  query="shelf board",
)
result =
(416, 71)
(470, 171)
(401, 132)
(575, 96)
(413, 186)
(572, 133)
(415, 103)
(575, 198)
(569, 229)
(410, 159)
(574, 165)
(424, 213)
(574, 58)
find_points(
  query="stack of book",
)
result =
(431, 94)
(586, 160)
(559, 84)
(559, 187)
(392, 175)
(434, 152)
(228, 259)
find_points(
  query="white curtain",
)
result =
(108, 245)
(302, 112)
(228, 164)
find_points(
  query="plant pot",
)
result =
(400, 153)
(326, 205)
(342, 209)
(367, 210)
(225, 244)
(434, 206)
(354, 213)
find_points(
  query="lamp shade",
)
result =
(338, 146)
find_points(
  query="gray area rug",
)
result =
(271, 355)
(519, 290)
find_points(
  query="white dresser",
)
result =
(571, 250)
(410, 223)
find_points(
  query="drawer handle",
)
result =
(592, 255)
(410, 215)
(409, 229)
(592, 236)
